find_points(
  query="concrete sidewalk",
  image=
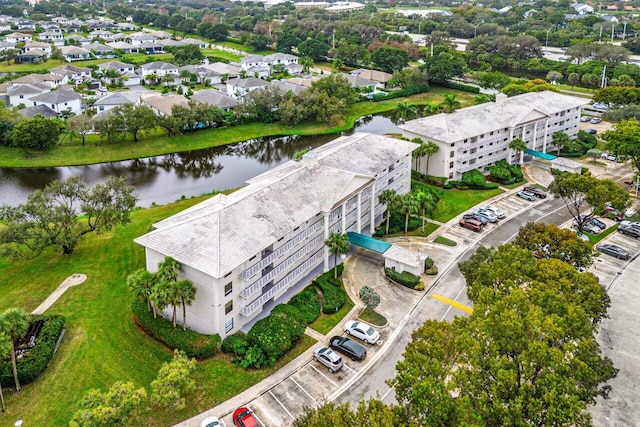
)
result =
(70, 281)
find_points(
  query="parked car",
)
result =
(589, 227)
(471, 224)
(481, 217)
(582, 236)
(526, 195)
(328, 358)
(600, 106)
(483, 220)
(349, 347)
(361, 330)
(536, 192)
(212, 422)
(598, 223)
(609, 156)
(595, 120)
(591, 131)
(487, 213)
(497, 212)
(614, 213)
(585, 119)
(243, 417)
(613, 250)
(630, 230)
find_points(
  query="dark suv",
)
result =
(629, 230)
(536, 192)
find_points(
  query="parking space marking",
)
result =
(349, 368)
(256, 415)
(453, 303)
(283, 407)
(303, 390)
(324, 376)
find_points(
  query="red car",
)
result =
(613, 213)
(243, 417)
(471, 224)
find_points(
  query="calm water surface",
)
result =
(164, 179)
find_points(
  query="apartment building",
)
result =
(248, 251)
(478, 136)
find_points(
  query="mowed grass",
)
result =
(454, 202)
(326, 322)
(99, 152)
(102, 344)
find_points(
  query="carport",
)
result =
(540, 154)
(395, 256)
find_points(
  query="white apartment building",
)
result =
(248, 251)
(478, 136)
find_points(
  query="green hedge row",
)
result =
(279, 331)
(459, 86)
(405, 278)
(400, 93)
(396, 224)
(333, 295)
(192, 343)
(308, 302)
(37, 359)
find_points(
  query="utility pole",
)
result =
(546, 40)
(624, 31)
(613, 27)
(601, 32)
(603, 84)
(333, 39)
(432, 49)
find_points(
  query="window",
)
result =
(391, 168)
(390, 181)
(101, 108)
(452, 153)
(451, 175)
(490, 133)
(228, 326)
(228, 288)
(450, 165)
(228, 307)
(453, 144)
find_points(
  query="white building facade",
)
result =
(476, 137)
(245, 250)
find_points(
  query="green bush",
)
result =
(191, 342)
(432, 271)
(278, 332)
(438, 181)
(232, 343)
(428, 263)
(308, 303)
(37, 359)
(293, 317)
(459, 86)
(333, 296)
(400, 93)
(447, 186)
(405, 278)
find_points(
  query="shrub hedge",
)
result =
(459, 86)
(278, 332)
(400, 93)
(405, 278)
(333, 295)
(37, 359)
(428, 263)
(308, 302)
(396, 224)
(230, 343)
(191, 342)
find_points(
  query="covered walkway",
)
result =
(540, 154)
(367, 242)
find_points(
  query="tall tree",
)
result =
(338, 243)
(174, 381)
(115, 407)
(406, 111)
(50, 216)
(5, 351)
(430, 148)
(407, 204)
(551, 241)
(561, 140)
(450, 103)
(390, 59)
(141, 283)
(109, 124)
(624, 140)
(186, 292)
(574, 79)
(136, 119)
(14, 323)
(427, 204)
(388, 198)
(519, 146)
(306, 62)
(80, 125)
(37, 133)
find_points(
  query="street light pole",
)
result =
(475, 29)
(546, 40)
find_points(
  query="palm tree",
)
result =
(168, 269)
(338, 243)
(430, 148)
(407, 204)
(450, 103)
(518, 145)
(418, 152)
(185, 75)
(187, 294)
(429, 109)
(406, 111)
(167, 79)
(4, 352)
(11, 55)
(306, 62)
(388, 198)
(561, 140)
(141, 283)
(427, 204)
(160, 296)
(14, 323)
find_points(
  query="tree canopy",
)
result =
(624, 140)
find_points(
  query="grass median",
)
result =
(102, 344)
(97, 152)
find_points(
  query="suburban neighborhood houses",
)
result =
(310, 214)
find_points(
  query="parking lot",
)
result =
(308, 386)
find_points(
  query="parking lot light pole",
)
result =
(546, 40)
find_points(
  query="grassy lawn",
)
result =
(46, 66)
(102, 345)
(243, 48)
(596, 238)
(326, 322)
(98, 152)
(222, 54)
(454, 202)
(516, 185)
(141, 58)
(373, 317)
(444, 241)
(429, 228)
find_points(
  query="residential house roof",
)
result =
(246, 83)
(119, 98)
(191, 40)
(69, 70)
(219, 234)
(57, 97)
(114, 65)
(165, 103)
(38, 110)
(28, 89)
(169, 43)
(375, 75)
(36, 78)
(357, 81)
(32, 53)
(122, 45)
(98, 47)
(73, 50)
(287, 86)
(215, 97)
(158, 65)
(222, 68)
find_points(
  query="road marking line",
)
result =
(384, 396)
(325, 377)
(257, 417)
(302, 388)
(349, 368)
(453, 303)
(283, 407)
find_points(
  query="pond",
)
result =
(164, 179)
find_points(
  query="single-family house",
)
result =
(279, 58)
(17, 37)
(31, 45)
(72, 74)
(6, 46)
(124, 47)
(286, 86)
(22, 93)
(380, 77)
(33, 56)
(169, 43)
(61, 20)
(51, 80)
(59, 101)
(39, 110)
(100, 50)
(52, 37)
(5, 27)
(215, 98)
(359, 82)
(26, 25)
(610, 18)
(162, 104)
(137, 40)
(303, 81)
(120, 37)
(151, 48)
(102, 35)
(203, 75)
(158, 68)
(116, 99)
(118, 66)
(238, 87)
(75, 53)
(582, 9)
(160, 34)
(230, 71)
(126, 26)
(200, 43)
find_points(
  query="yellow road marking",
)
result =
(453, 303)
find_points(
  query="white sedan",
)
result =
(212, 422)
(362, 330)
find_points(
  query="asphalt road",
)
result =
(450, 285)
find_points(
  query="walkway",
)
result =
(70, 281)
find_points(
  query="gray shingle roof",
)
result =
(41, 110)
(219, 234)
(57, 97)
(479, 119)
(215, 97)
